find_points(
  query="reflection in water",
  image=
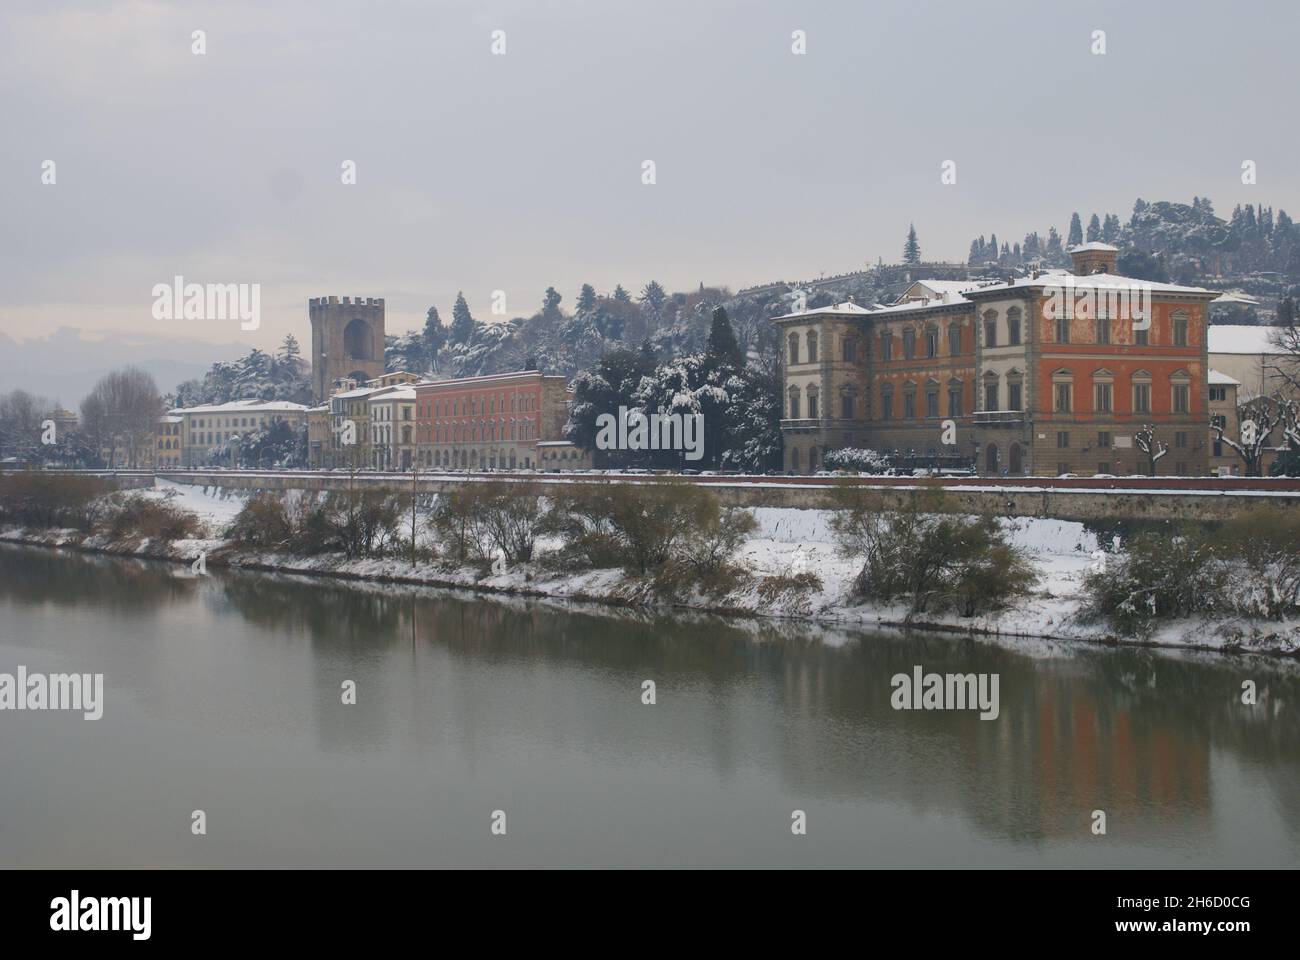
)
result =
(542, 701)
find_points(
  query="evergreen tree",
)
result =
(587, 298)
(1094, 229)
(911, 249)
(551, 300)
(1075, 236)
(723, 350)
(289, 350)
(621, 295)
(435, 338)
(462, 322)
(974, 252)
(647, 356)
(1053, 242)
(653, 295)
(1110, 228)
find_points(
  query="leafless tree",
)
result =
(1257, 418)
(1151, 445)
(20, 422)
(122, 411)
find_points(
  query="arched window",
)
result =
(813, 412)
(793, 341)
(794, 403)
(990, 328)
(887, 402)
(849, 349)
(812, 346)
(909, 344)
(1013, 327)
(954, 397)
(931, 341)
(954, 339)
(356, 340)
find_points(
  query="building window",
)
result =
(932, 402)
(909, 344)
(794, 404)
(1102, 397)
(1142, 397)
(1220, 421)
(812, 405)
(990, 329)
(846, 406)
(886, 404)
(991, 394)
(812, 346)
(1103, 329)
(1180, 328)
(1103, 439)
(1062, 330)
(1142, 338)
(954, 339)
(849, 349)
(954, 400)
(1180, 439)
(794, 348)
(1062, 439)
(931, 342)
(909, 404)
(1013, 395)
(1013, 327)
(886, 345)
(1182, 398)
(1063, 396)
(1219, 394)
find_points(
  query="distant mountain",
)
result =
(65, 365)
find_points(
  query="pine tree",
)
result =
(1075, 236)
(462, 323)
(621, 295)
(551, 300)
(1094, 229)
(911, 249)
(587, 297)
(289, 350)
(723, 350)
(974, 252)
(1110, 228)
(654, 295)
(1053, 242)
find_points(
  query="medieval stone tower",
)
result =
(347, 340)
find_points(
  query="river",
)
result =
(224, 693)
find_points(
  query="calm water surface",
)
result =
(223, 694)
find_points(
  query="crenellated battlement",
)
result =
(317, 302)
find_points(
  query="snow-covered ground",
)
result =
(788, 541)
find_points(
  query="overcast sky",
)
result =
(483, 172)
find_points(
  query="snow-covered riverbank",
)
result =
(787, 542)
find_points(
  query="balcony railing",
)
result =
(990, 417)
